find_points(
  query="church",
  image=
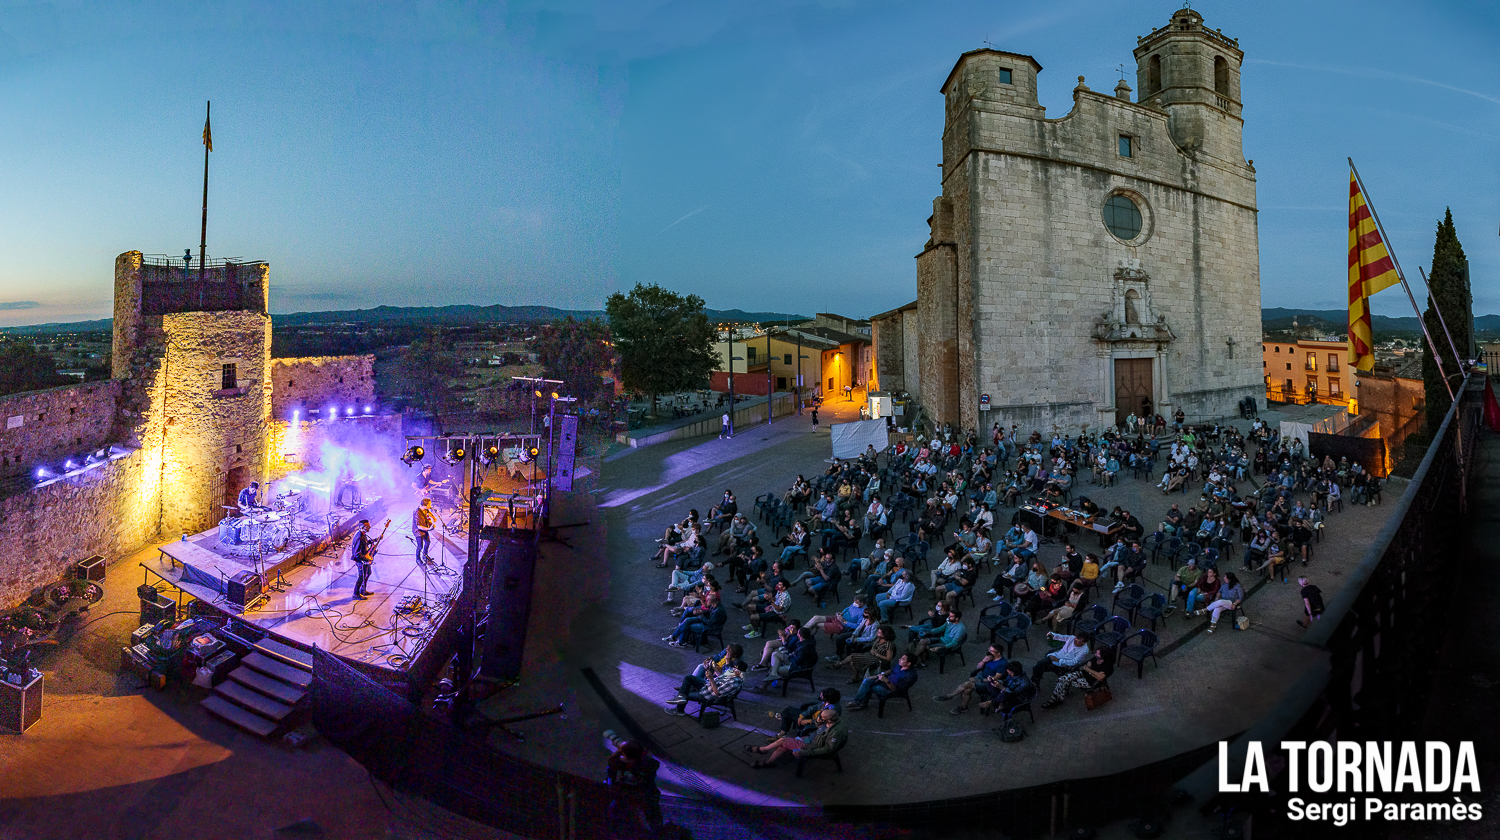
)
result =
(1086, 267)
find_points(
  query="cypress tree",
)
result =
(1448, 280)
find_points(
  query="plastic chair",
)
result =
(1088, 619)
(1154, 608)
(1155, 543)
(993, 616)
(900, 694)
(944, 653)
(1140, 646)
(1128, 599)
(1112, 631)
(1013, 629)
(800, 674)
(723, 702)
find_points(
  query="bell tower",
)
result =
(1194, 74)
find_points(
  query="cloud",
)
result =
(1370, 72)
(681, 220)
(19, 304)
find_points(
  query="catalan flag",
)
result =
(208, 135)
(1370, 270)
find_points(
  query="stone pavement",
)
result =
(1207, 688)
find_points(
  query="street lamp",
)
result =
(732, 359)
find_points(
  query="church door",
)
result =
(1132, 387)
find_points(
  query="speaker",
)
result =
(90, 569)
(504, 640)
(157, 608)
(567, 448)
(243, 588)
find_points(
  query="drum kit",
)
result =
(264, 531)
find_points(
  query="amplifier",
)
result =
(157, 608)
(141, 634)
(243, 588)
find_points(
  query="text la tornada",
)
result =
(1369, 767)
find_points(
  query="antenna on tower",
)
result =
(990, 44)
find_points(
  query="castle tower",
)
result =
(195, 353)
(1106, 262)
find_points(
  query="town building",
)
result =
(818, 357)
(1307, 370)
(1085, 267)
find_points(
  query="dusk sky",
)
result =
(764, 154)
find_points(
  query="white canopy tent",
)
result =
(850, 439)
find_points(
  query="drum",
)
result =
(274, 537)
(229, 530)
(289, 503)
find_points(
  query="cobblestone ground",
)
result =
(1206, 688)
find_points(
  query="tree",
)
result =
(664, 340)
(23, 368)
(580, 354)
(424, 375)
(1448, 281)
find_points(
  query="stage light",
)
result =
(349, 410)
(369, 409)
(333, 412)
(453, 455)
(534, 452)
(41, 473)
(489, 454)
(413, 455)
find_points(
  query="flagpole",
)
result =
(1390, 249)
(203, 233)
(1432, 298)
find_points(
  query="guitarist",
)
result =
(363, 553)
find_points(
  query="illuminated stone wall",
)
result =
(46, 428)
(317, 382)
(292, 446)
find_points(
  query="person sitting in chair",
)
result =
(900, 678)
(715, 684)
(1092, 674)
(828, 738)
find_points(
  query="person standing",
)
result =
(724, 426)
(363, 554)
(631, 776)
(423, 520)
(1312, 603)
(815, 418)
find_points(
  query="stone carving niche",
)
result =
(1132, 318)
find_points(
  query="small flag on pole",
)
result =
(208, 135)
(1370, 270)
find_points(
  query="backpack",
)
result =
(709, 719)
(1012, 731)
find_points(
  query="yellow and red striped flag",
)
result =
(1370, 270)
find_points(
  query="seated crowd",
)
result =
(946, 493)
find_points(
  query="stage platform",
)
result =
(310, 589)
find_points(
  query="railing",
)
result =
(176, 262)
(1373, 654)
(1310, 367)
(1292, 397)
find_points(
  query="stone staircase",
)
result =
(263, 690)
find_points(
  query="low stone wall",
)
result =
(110, 510)
(48, 427)
(711, 425)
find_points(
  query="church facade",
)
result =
(1086, 267)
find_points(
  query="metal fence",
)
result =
(1373, 660)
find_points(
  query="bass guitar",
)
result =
(368, 556)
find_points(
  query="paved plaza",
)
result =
(1205, 688)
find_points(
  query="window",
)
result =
(1122, 217)
(1312, 361)
(1333, 362)
(1288, 365)
(786, 358)
(1278, 349)
(781, 383)
(1333, 387)
(1221, 76)
(1153, 75)
(1124, 146)
(229, 381)
(1005, 75)
(750, 355)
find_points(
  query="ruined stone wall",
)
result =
(293, 446)
(890, 362)
(107, 510)
(46, 428)
(320, 381)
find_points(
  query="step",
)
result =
(280, 670)
(285, 653)
(253, 700)
(269, 686)
(248, 721)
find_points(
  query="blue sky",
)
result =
(765, 154)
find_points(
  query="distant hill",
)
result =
(1278, 318)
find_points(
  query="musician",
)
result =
(363, 554)
(249, 500)
(348, 486)
(423, 520)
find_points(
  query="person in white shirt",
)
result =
(900, 593)
(1074, 652)
(951, 563)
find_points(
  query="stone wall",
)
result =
(49, 427)
(107, 510)
(316, 382)
(293, 446)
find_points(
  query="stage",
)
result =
(309, 589)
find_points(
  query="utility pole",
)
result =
(770, 390)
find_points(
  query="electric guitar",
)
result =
(368, 556)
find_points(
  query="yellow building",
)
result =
(1306, 370)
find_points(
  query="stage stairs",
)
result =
(264, 689)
